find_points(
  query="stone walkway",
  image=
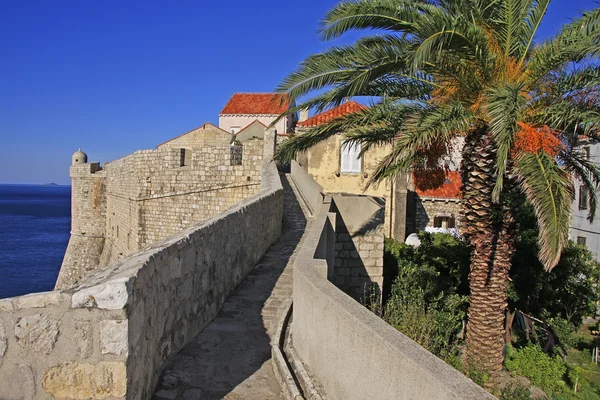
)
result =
(230, 358)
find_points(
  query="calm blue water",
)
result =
(34, 232)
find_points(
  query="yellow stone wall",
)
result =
(322, 162)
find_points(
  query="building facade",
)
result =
(243, 109)
(582, 230)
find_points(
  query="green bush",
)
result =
(423, 302)
(565, 331)
(541, 369)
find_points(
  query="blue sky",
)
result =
(112, 76)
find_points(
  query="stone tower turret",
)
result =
(88, 215)
(79, 157)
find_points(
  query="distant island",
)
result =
(51, 184)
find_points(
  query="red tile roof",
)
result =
(450, 189)
(256, 104)
(341, 110)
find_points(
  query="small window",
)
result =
(444, 222)
(586, 152)
(236, 154)
(235, 129)
(185, 157)
(583, 198)
(581, 240)
(351, 161)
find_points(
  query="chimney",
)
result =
(303, 115)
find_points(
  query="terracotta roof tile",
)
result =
(326, 116)
(256, 104)
(450, 189)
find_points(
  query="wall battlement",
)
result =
(144, 197)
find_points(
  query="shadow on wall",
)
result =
(233, 348)
(358, 265)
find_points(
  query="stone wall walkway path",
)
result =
(230, 358)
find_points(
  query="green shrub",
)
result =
(433, 323)
(541, 369)
(565, 331)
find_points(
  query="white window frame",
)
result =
(350, 161)
(234, 130)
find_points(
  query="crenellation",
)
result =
(149, 195)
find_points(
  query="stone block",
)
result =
(375, 253)
(39, 300)
(366, 246)
(113, 295)
(84, 338)
(37, 333)
(114, 337)
(85, 381)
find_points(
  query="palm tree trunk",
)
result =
(491, 230)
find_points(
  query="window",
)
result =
(583, 198)
(185, 157)
(234, 130)
(581, 240)
(350, 159)
(445, 222)
(586, 152)
(236, 154)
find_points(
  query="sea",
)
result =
(34, 231)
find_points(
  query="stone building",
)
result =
(582, 230)
(243, 109)
(134, 201)
(436, 207)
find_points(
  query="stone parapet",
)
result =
(351, 352)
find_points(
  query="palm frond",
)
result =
(536, 13)
(396, 16)
(503, 105)
(549, 190)
(576, 41)
(426, 127)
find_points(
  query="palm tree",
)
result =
(442, 68)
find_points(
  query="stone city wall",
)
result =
(149, 195)
(335, 338)
(110, 337)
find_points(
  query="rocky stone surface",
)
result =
(113, 337)
(38, 300)
(106, 379)
(113, 295)
(17, 383)
(37, 333)
(3, 340)
(230, 359)
(84, 338)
